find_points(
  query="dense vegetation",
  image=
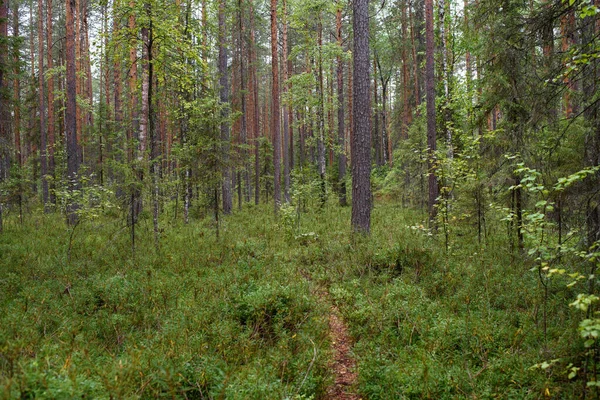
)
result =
(175, 178)
(240, 317)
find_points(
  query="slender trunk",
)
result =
(275, 115)
(376, 139)
(16, 89)
(405, 79)
(224, 100)
(50, 65)
(386, 143)
(17, 114)
(4, 99)
(431, 129)
(155, 143)
(341, 128)
(143, 132)
(118, 112)
(85, 50)
(416, 60)
(42, 109)
(256, 109)
(70, 114)
(286, 126)
(361, 146)
(321, 114)
(244, 108)
(132, 132)
(78, 81)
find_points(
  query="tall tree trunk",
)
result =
(275, 114)
(70, 114)
(407, 113)
(51, 123)
(132, 132)
(17, 111)
(286, 121)
(244, 108)
(118, 112)
(431, 129)
(376, 139)
(79, 81)
(341, 128)
(256, 107)
(42, 109)
(224, 100)
(4, 99)
(361, 132)
(321, 113)
(155, 142)
(416, 58)
(87, 67)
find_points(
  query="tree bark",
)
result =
(430, 92)
(42, 109)
(50, 65)
(255, 108)
(224, 100)
(321, 113)
(361, 146)
(70, 115)
(275, 113)
(341, 126)
(286, 121)
(244, 108)
(4, 99)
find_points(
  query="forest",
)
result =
(300, 199)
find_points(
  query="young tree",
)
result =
(361, 130)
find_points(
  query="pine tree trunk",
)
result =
(244, 107)
(431, 128)
(256, 107)
(51, 123)
(42, 109)
(70, 114)
(224, 100)
(286, 121)
(361, 146)
(275, 114)
(341, 128)
(321, 114)
(4, 100)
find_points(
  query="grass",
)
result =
(236, 318)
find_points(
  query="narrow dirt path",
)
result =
(344, 366)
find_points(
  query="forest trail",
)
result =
(343, 365)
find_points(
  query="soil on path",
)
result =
(343, 365)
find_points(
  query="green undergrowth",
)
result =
(464, 324)
(238, 317)
(201, 318)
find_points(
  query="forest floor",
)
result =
(276, 309)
